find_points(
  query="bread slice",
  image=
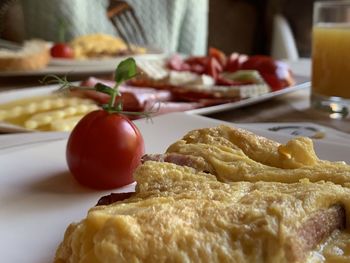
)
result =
(181, 215)
(33, 56)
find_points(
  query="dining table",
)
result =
(39, 197)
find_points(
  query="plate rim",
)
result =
(249, 101)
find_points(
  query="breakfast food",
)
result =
(215, 78)
(180, 215)
(221, 195)
(138, 99)
(233, 154)
(101, 45)
(276, 74)
(33, 55)
(104, 149)
(198, 82)
(61, 50)
(50, 112)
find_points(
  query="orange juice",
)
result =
(331, 61)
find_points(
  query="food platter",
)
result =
(97, 62)
(82, 67)
(302, 82)
(39, 198)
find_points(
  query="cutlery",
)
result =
(125, 21)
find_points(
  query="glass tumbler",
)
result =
(330, 91)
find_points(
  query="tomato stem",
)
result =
(112, 99)
(115, 93)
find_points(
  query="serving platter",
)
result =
(39, 198)
(302, 82)
(81, 67)
(107, 61)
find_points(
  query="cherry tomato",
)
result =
(61, 50)
(103, 150)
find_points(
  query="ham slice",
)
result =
(134, 99)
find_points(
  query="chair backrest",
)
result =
(283, 44)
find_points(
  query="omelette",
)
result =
(234, 154)
(221, 195)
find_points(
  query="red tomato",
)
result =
(214, 68)
(61, 50)
(276, 73)
(103, 150)
(261, 63)
(235, 61)
(219, 55)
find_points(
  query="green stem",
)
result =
(114, 95)
(112, 99)
(62, 31)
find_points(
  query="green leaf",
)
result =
(103, 88)
(125, 70)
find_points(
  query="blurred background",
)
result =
(279, 28)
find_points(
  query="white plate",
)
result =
(84, 62)
(39, 198)
(79, 67)
(302, 82)
(6, 96)
(97, 62)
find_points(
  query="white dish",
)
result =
(96, 62)
(301, 83)
(6, 96)
(79, 67)
(58, 70)
(84, 62)
(39, 198)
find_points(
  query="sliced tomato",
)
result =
(219, 55)
(276, 73)
(235, 61)
(214, 68)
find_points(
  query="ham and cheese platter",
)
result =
(199, 85)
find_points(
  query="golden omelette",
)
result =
(182, 214)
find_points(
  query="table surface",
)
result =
(291, 107)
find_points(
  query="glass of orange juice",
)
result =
(331, 58)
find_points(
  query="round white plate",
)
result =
(95, 62)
